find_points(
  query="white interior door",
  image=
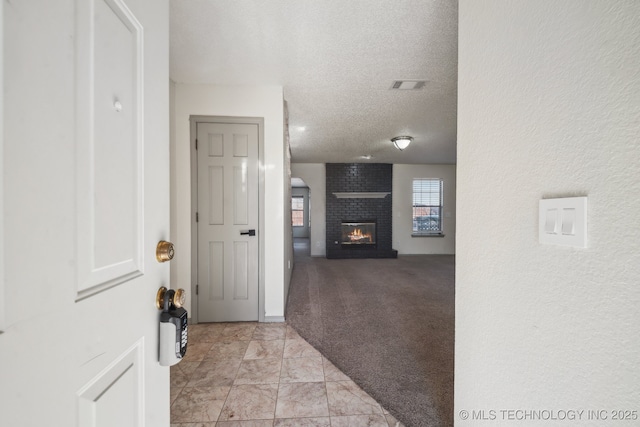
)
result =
(86, 200)
(227, 222)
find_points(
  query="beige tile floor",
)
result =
(264, 375)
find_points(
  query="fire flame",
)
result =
(357, 235)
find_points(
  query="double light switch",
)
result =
(560, 221)
(563, 221)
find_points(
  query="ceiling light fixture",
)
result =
(402, 142)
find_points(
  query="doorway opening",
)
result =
(301, 217)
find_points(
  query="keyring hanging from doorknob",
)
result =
(164, 251)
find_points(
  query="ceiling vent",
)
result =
(408, 84)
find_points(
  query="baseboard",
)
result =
(267, 319)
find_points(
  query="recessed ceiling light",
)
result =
(302, 128)
(367, 157)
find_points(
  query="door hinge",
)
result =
(196, 143)
(197, 217)
(197, 289)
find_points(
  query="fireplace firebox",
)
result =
(358, 233)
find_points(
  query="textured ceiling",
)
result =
(336, 61)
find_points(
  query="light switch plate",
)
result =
(563, 221)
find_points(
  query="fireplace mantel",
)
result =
(366, 195)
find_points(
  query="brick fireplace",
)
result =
(358, 202)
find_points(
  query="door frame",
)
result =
(2, 296)
(193, 125)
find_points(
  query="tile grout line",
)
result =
(234, 378)
(326, 391)
(275, 409)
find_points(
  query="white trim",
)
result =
(367, 195)
(428, 233)
(273, 319)
(2, 296)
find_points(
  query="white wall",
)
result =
(403, 176)
(549, 96)
(263, 101)
(314, 175)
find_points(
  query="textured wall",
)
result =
(549, 106)
(359, 177)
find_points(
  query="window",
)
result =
(297, 211)
(427, 206)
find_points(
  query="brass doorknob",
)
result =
(174, 298)
(164, 251)
(179, 298)
(160, 297)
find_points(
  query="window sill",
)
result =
(428, 235)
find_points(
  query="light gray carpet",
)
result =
(388, 324)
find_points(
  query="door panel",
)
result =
(216, 271)
(241, 270)
(86, 139)
(240, 194)
(114, 397)
(110, 153)
(216, 195)
(228, 199)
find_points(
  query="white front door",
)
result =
(227, 224)
(86, 199)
